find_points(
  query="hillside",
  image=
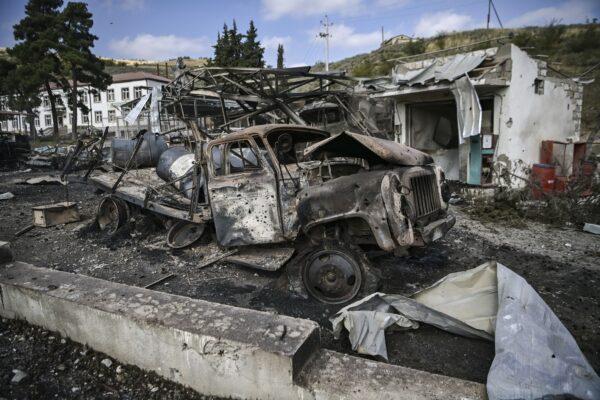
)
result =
(115, 66)
(569, 49)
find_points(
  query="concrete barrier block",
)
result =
(213, 348)
(335, 376)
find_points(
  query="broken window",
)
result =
(241, 157)
(539, 86)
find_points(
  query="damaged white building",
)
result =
(482, 112)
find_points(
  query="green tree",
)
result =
(233, 49)
(20, 91)
(279, 55)
(80, 64)
(251, 51)
(221, 48)
(37, 36)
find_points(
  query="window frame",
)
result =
(226, 166)
(96, 113)
(110, 94)
(123, 90)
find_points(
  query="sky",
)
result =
(160, 30)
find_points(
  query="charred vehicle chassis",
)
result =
(273, 190)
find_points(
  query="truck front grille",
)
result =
(425, 194)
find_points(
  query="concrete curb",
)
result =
(213, 348)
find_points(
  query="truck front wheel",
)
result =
(331, 272)
(332, 276)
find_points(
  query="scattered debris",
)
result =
(217, 257)
(106, 362)
(592, 228)
(6, 254)
(24, 230)
(487, 301)
(6, 196)
(158, 281)
(55, 214)
(18, 376)
(45, 180)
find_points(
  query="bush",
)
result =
(363, 69)
(588, 39)
(414, 47)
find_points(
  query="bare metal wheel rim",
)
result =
(183, 234)
(112, 214)
(332, 276)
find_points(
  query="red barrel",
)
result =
(542, 180)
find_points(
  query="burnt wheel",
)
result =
(332, 276)
(183, 234)
(112, 213)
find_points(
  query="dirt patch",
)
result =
(563, 265)
(59, 368)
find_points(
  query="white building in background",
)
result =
(104, 107)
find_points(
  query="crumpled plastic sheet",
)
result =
(536, 356)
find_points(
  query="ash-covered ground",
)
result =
(563, 265)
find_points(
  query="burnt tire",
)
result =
(332, 273)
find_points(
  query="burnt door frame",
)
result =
(245, 206)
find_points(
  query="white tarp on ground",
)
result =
(536, 355)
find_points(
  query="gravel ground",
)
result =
(562, 265)
(57, 368)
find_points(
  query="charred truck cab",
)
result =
(329, 195)
(271, 191)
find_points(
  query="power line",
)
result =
(496, 12)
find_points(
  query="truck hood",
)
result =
(374, 150)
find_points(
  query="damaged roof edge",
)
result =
(373, 149)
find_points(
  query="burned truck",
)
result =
(270, 192)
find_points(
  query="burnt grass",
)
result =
(138, 256)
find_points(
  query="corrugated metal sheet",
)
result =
(447, 69)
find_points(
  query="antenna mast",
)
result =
(326, 35)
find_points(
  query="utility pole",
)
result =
(326, 35)
(488, 14)
(382, 39)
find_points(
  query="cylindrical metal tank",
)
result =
(147, 156)
(175, 163)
